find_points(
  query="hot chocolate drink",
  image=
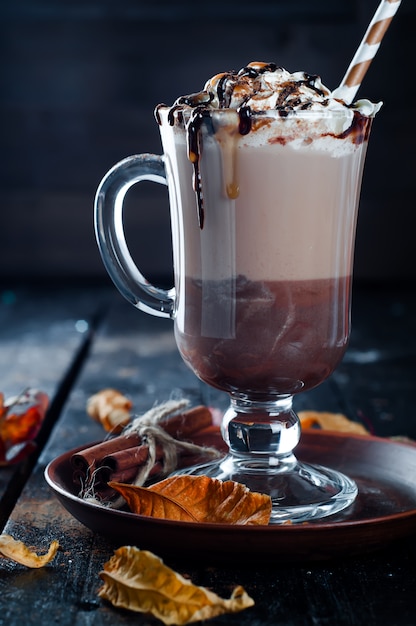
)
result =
(283, 337)
(263, 240)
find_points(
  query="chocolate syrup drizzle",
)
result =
(194, 151)
(199, 103)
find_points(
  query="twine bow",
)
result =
(147, 428)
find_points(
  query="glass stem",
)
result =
(267, 428)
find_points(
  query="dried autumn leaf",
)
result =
(143, 501)
(330, 421)
(139, 581)
(204, 499)
(20, 421)
(111, 409)
(216, 501)
(19, 552)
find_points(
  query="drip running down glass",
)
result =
(263, 228)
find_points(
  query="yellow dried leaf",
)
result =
(139, 581)
(330, 421)
(111, 409)
(19, 552)
(204, 499)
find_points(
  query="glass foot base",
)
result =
(300, 492)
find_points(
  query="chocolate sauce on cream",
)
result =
(359, 129)
(193, 146)
(250, 92)
(244, 123)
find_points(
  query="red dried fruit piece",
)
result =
(20, 421)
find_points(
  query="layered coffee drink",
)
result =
(262, 267)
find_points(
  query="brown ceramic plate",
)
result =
(384, 511)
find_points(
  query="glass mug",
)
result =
(263, 228)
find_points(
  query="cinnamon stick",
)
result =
(86, 460)
(209, 437)
(185, 424)
(180, 426)
(121, 457)
(126, 461)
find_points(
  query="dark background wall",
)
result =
(79, 81)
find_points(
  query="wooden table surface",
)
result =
(72, 342)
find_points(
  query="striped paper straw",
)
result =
(366, 50)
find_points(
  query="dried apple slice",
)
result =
(138, 580)
(21, 419)
(19, 552)
(330, 421)
(111, 409)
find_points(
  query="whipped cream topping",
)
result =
(265, 86)
(264, 104)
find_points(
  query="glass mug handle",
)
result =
(109, 231)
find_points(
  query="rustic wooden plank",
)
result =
(377, 378)
(137, 354)
(43, 334)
